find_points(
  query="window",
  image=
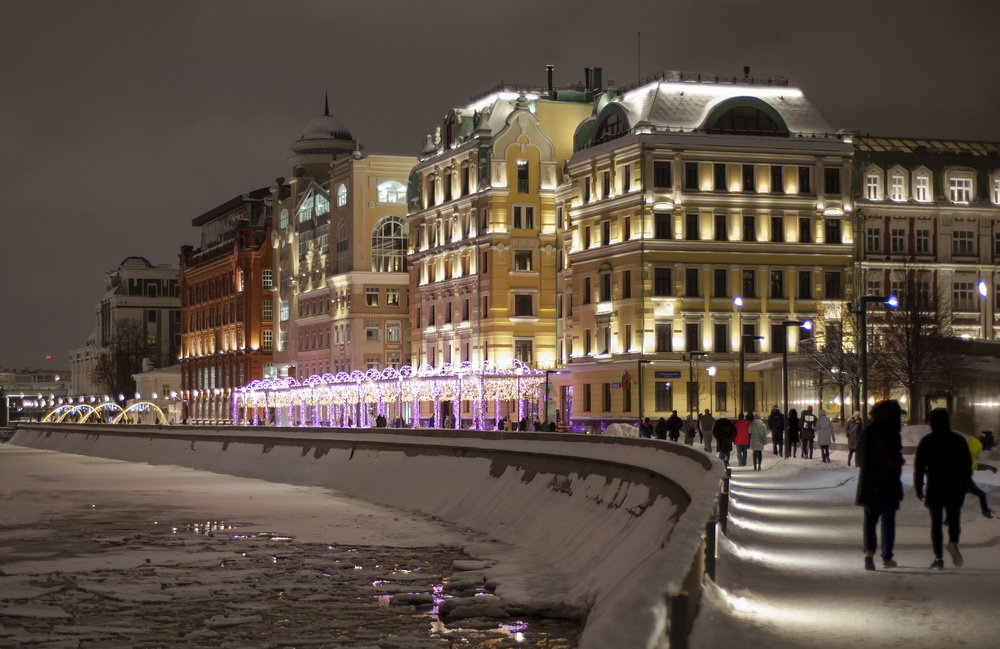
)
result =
(586, 342)
(661, 174)
(777, 229)
(873, 240)
(605, 233)
(831, 180)
(721, 222)
(832, 231)
(586, 297)
(719, 173)
(804, 184)
(662, 282)
(626, 289)
(691, 282)
(432, 315)
(283, 219)
(692, 337)
(524, 350)
(777, 284)
(522, 176)
(606, 397)
(151, 315)
(749, 179)
(897, 191)
(749, 227)
(626, 227)
(897, 240)
(873, 187)
(371, 332)
(664, 396)
(963, 297)
(996, 190)
(720, 282)
(465, 310)
(605, 287)
(921, 188)
(523, 305)
(267, 279)
(393, 333)
(833, 286)
(522, 260)
(691, 176)
(805, 229)
(283, 311)
(663, 225)
(626, 178)
(266, 339)
(586, 190)
(627, 338)
(371, 297)
(778, 338)
(777, 180)
(923, 241)
(720, 337)
(605, 184)
(524, 217)
(586, 237)
(749, 283)
(720, 396)
(464, 178)
(963, 242)
(267, 311)
(341, 195)
(392, 191)
(691, 227)
(392, 297)
(749, 339)
(587, 404)
(663, 337)
(389, 241)
(960, 189)
(805, 285)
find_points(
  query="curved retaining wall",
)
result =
(618, 522)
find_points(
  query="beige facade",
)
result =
(684, 196)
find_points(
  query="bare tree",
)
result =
(908, 347)
(122, 358)
(833, 351)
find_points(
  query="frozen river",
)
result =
(104, 553)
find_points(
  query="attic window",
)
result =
(611, 126)
(746, 120)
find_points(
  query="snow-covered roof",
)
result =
(325, 127)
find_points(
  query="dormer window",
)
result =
(897, 187)
(960, 188)
(996, 189)
(873, 186)
(922, 188)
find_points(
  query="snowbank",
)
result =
(610, 526)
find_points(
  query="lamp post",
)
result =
(805, 324)
(640, 363)
(743, 339)
(984, 293)
(692, 357)
(892, 302)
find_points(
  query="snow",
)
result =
(569, 524)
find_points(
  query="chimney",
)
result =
(548, 71)
(746, 72)
(594, 79)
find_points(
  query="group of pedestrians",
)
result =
(942, 475)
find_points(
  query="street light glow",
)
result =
(983, 289)
(738, 302)
(892, 302)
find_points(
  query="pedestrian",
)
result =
(661, 428)
(808, 432)
(501, 423)
(449, 421)
(880, 489)
(724, 433)
(646, 429)
(536, 424)
(943, 457)
(824, 435)
(975, 448)
(776, 424)
(380, 421)
(523, 424)
(706, 422)
(758, 441)
(690, 430)
(674, 424)
(792, 443)
(742, 439)
(853, 430)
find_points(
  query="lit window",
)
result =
(960, 189)
(389, 239)
(392, 332)
(392, 191)
(921, 188)
(267, 310)
(283, 311)
(267, 338)
(341, 195)
(898, 191)
(872, 187)
(522, 176)
(522, 260)
(283, 219)
(267, 279)
(371, 297)
(524, 350)
(392, 297)
(996, 190)
(524, 217)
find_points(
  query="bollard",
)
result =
(678, 605)
(724, 501)
(711, 548)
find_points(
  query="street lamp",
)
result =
(743, 339)
(807, 325)
(890, 301)
(984, 293)
(692, 393)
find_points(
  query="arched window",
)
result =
(746, 116)
(341, 195)
(389, 245)
(392, 191)
(612, 125)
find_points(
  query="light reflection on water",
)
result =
(206, 528)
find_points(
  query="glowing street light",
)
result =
(807, 325)
(890, 301)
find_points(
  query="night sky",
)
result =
(120, 122)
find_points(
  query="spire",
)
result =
(326, 104)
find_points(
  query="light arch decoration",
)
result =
(142, 407)
(107, 405)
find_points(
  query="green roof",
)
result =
(924, 145)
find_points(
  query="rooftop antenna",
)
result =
(326, 104)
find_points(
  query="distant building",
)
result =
(227, 310)
(339, 244)
(31, 393)
(685, 193)
(162, 387)
(139, 298)
(483, 243)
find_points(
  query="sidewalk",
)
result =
(791, 575)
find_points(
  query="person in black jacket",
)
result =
(943, 457)
(661, 429)
(792, 443)
(674, 425)
(776, 424)
(880, 490)
(724, 432)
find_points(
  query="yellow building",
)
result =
(483, 250)
(686, 193)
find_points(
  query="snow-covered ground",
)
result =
(791, 570)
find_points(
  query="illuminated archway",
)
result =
(74, 411)
(56, 412)
(107, 405)
(143, 407)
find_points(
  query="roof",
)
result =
(883, 144)
(231, 204)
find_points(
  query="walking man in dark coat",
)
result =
(724, 433)
(880, 490)
(943, 458)
(674, 425)
(776, 424)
